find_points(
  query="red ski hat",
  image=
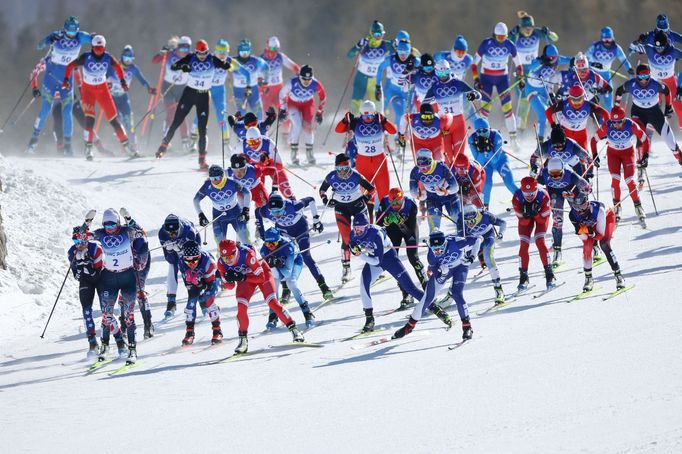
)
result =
(617, 113)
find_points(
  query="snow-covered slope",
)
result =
(540, 376)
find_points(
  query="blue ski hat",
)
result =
(403, 48)
(481, 123)
(460, 43)
(71, 25)
(662, 22)
(550, 51)
(244, 46)
(272, 235)
(607, 33)
(402, 35)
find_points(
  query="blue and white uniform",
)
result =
(441, 191)
(227, 207)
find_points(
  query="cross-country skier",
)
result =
(261, 152)
(601, 55)
(421, 79)
(198, 270)
(470, 177)
(65, 48)
(580, 74)
(276, 61)
(297, 101)
(568, 150)
(245, 87)
(449, 258)
(532, 208)
(428, 129)
(238, 266)
(393, 90)
(247, 176)
(573, 114)
(286, 263)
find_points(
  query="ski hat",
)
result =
(403, 49)
(185, 41)
(202, 47)
(190, 249)
(80, 233)
(607, 33)
(643, 68)
(460, 43)
(579, 201)
(661, 23)
(426, 109)
(529, 188)
(99, 41)
(306, 72)
(250, 119)
(426, 60)
(273, 43)
(617, 113)
(402, 36)
(424, 159)
(253, 137)
(576, 91)
(244, 48)
(360, 224)
(172, 223)
(377, 29)
(276, 201)
(215, 171)
(110, 215)
(229, 251)
(470, 213)
(501, 29)
(342, 159)
(222, 46)
(272, 235)
(437, 242)
(396, 196)
(462, 164)
(555, 167)
(526, 20)
(558, 135)
(481, 124)
(368, 108)
(237, 161)
(71, 26)
(581, 62)
(442, 69)
(550, 51)
(128, 53)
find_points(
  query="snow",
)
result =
(541, 375)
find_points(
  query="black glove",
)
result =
(233, 276)
(641, 39)
(203, 220)
(596, 64)
(244, 216)
(319, 117)
(401, 140)
(36, 92)
(515, 31)
(327, 201)
(545, 30)
(596, 162)
(361, 43)
(644, 162)
(238, 115)
(466, 189)
(355, 249)
(678, 95)
(317, 225)
(472, 95)
(378, 93)
(478, 85)
(605, 89)
(348, 118)
(409, 66)
(631, 71)
(528, 210)
(468, 258)
(668, 112)
(231, 121)
(185, 68)
(282, 114)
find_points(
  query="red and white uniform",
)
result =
(371, 161)
(299, 101)
(257, 275)
(471, 179)
(268, 162)
(620, 152)
(532, 215)
(269, 93)
(436, 136)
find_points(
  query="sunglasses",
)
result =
(428, 68)
(271, 244)
(202, 53)
(194, 259)
(424, 161)
(183, 48)
(343, 168)
(377, 35)
(253, 142)
(529, 195)
(396, 203)
(643, 76)
(367, 117)
(110, 225)
(277, 211)
(218, 178)
(79, 242)
(556, 175)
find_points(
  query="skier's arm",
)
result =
(411, 222)
(500, 223)
(599, 135)
(283, 93)
(246, 196)
(140, 77)
(600, 113)
(414, 184)
(226, 65)
(48, 40)
(257, 274)
(623, 58)
(321, 96)
(73, 65)
(183, 61)
(387, 125)
(380, 72)
(118, 69)
(289, 63)
(198, 197)
(310, 203)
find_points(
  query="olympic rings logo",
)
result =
(457, 66)
(450, 259)
(112, 241)
(374, 53)
(426, 82)
(445, 91)
(368, 130)
(619, 135)
(478, 229)
(341, 186)
(246, 182)
(397, 67)
(287, 220)
(369, 246)
(431, 179)
(663, 59)
(497, 51)
(643, 93)
(527, 41)
(301, 92)
(275, 64)
(575, 114)
(201, 66)
(558, 184)
(250, 66)
(66, 43)
(219, 196)
(565, 156)
(604, 55)
(97, 67)
(425, 131)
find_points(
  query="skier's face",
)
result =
(617, 124)
(80, 243)
(500, 38)
(202, 55)
(305, 82)
(438, 250)
(459, 53)
(271, 245)
(98, 50)
(110, 227)
(526, 31)
(607, 42)
(182, 50)
(360, 229)
(239, 173)
(576, 102)
(127, 60)
(643, 78)
(192, 262)
(529, 196)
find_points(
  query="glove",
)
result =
(348, 118)
(478, 85)
(444, 269)
(377, 93)
(151, 90)
(644, 162)
(355, 250)
(231, 121)
(442, 190)
(545, 30)
(185, 68)
(124, 85)
(66, 85)
(590, 231)
(678, 95)
(596, 64)
(362, 42)
(265, 160)
(499, 235)
(203, 220)
(238, 116)
(233, 276)
(319, 117)
(472, 96)
(409, 66)
(596, 162)
(604, 90)
(466, 189)
(631, 71)
(522, 84)
(244, 216)
(317, 225)
(637, 47)
(401, 140)
(282, 114)
(668, 112)
(247, 92)
(36, 93)
(515, 31)
(468, 258)
(261, 82)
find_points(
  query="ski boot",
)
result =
(617, 210)
(294, 153)
(513, 141)
(549, 277)
(187, 144)
(324, 288)
(194, 143)
(286, 294)
(170, 307)
(94, 346)
(217, 335)
(243, 346)
(309, 154)
(309, 319)
(406, 302)
(122, 350)
(499, 293)
(369, 321)
(589, 282)
(32, 145)
(88, 151)
(640, 178)
(346, 276)
(523, 280)
(103, 351)
(640, 214)
(405, 330)
(163, 149)
(556, 260)
(620, 281)
(202, 162)
(272, 322)
(189, 335)
(296, 334)
(467, 332)
(68, 150)
(132, 355)
(131, 150)
(442, 315)
(148, 329)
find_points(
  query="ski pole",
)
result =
(153, 108)
(300, 178)
(42, 336)
(222, 139)
(395, 169)
(154, 99)
(211, 222)
(2, 129)
(646, 174)
(21, 114)
(345, 90)
(498, 96)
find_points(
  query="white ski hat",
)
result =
(99, 40)
(501, 29)
(273, 42)
(368, 108)
(110, 215)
